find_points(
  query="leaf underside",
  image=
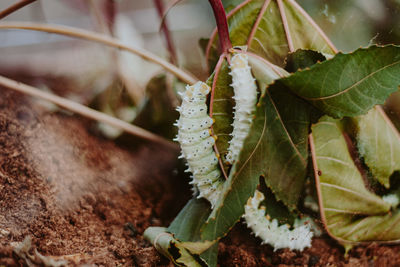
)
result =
(222, 109)
(378, 143)
(350, 212)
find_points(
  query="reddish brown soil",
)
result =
(83, 197)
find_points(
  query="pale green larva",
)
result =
(278, 236)
(194, 136)
(245, 90)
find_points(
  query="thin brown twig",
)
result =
(165, 29)
(11, 9)
(286, 25)
(257, 22)
(103, 39)
(84, 111)
(168, 8)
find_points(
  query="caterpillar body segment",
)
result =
(196, 140)
(245, 90)
(278, 236)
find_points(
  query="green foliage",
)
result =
(379, 144)
(277, 147)
(302, 59)
(171, 248)
(349, 84)
(186, 235)
(270, 39)
(350, 212)
(222, 108)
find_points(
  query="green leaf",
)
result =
(186, 229)
(302, 59)
(222, 108)
(270, 39)
(378, 143)
(349, 84)
(228, 3)
(169, 247)
(265, 72)
(276, 147)
(275, 209)
(350, 213)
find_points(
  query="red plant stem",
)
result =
(167, 34)
(110, 11)
(222, 25)
(214, 33)
(11, 9)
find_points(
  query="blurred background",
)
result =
(350, 24)
(96, 75)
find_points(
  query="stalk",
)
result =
(222, 25)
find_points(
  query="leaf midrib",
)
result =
(352, 86)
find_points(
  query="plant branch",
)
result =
(84, 111)
(222, 25)
(165, 29)
(101, 38)
(214, 33)
(11, 9)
